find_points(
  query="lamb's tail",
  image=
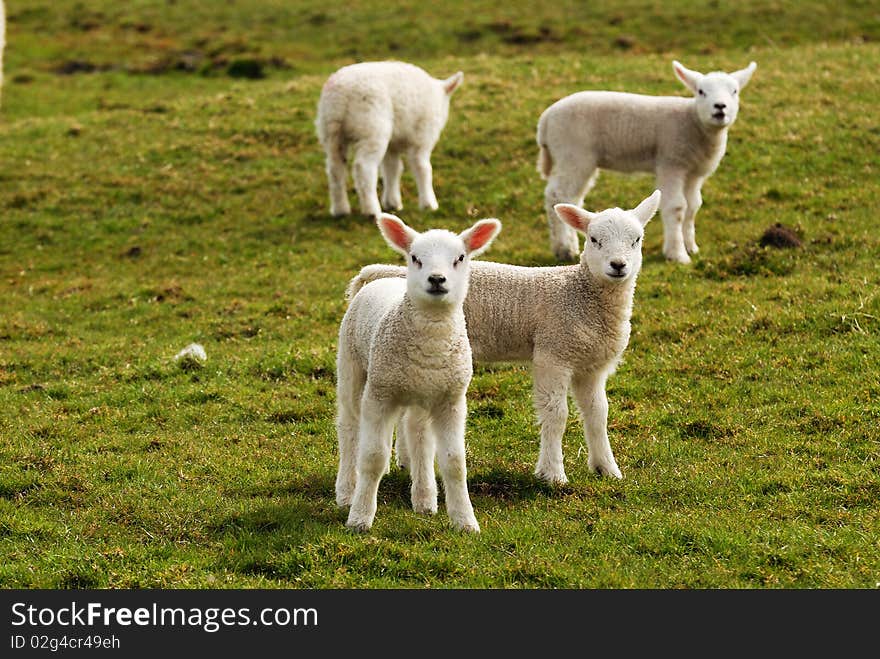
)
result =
(545, 160)
(330, 119)
(371, 273)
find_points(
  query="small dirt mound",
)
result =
(780, 237)
(71, 67)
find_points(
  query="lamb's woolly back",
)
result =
(358, 95)
(371, 273)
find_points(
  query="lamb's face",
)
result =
(438, 269)
(716, 94)
(717, 99)
(438, 261)
(613, 246)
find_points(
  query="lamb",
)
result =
(382, 110)
(571, 322)
(403, 345)
(680, 140)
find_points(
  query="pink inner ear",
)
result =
(480, 236)
(396, 233)
(573, 219)
(681, 75)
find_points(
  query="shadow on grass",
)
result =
(322, 219)
(505, 485)
(296, 528)
(303, 511)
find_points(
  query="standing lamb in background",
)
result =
(681, 140)
(403, 344)
(571, 322)
(382, 110)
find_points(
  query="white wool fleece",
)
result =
(383, 112)
(403, 345)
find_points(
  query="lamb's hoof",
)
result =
(471, 526)
(340, 212)
(343, 499)
(425, 507)
(359, 526)
(693, 249)
(392, 206)
(424, 502)
(551, 476)
(607, 469)
(678, 257)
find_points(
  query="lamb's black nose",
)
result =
(436, 280)
(720, 106)
(617, 265)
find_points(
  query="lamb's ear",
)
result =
(399, 236)
(646, 210)
(575, 217)
(691, 79)
(743, 76)
(452, 83)
(478, 238)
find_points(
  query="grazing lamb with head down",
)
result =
(382, 110)
(403, 344)
(680, 140)
(571, 322)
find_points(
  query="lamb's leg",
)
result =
(401, 442)
(349, 389)
(368, 156)
(551, 404)
(337, 176)
(694, 201)
(568, 186)
(672, 209)
(392, 168)
(421, 446)
(420, 162)
(374, 451)
(589, 392)
(448, 423)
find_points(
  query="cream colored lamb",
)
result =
(680, 140)
(381, 111)
(403, 345)
(571, 322)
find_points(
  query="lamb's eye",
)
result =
(701, 92)
(416, 260)
(734, 92)
(458, 260)
(595, 242)
(636, 241)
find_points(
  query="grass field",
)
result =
(162, 184)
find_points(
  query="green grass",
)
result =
(146, 206)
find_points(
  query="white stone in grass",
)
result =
(192, 355)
